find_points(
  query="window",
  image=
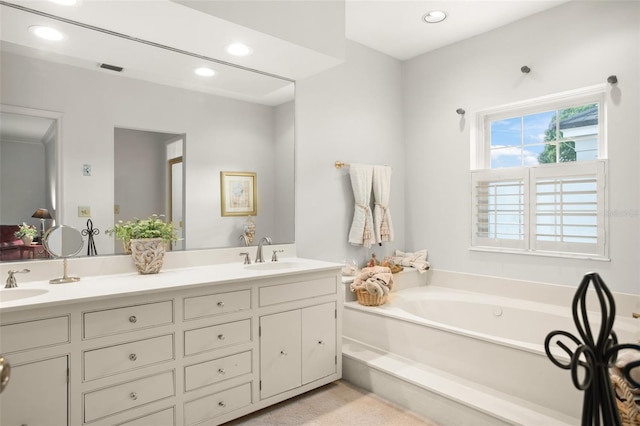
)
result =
(538, 177)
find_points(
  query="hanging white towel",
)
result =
(381, 192)
(361, 232)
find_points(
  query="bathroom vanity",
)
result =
(199, 345)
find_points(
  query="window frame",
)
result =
(480, 166)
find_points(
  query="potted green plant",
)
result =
(26, 232)
(145, 239)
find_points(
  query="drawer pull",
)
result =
(133, 357)
(133, 319)
(133, 396)
(222, 404)
(221, 304)
(220, 336)
(321, 343)
(283, 353)
(221, 371)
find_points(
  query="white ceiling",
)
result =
(396, 28)
(389, 26)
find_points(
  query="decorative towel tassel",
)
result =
(366, 234)
(385, 232)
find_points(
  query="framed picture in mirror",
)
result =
(238, 193)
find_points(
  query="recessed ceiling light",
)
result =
(239, 49)
(434, 16)
(46, 33)
(205, 72)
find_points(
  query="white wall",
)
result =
(284, 138)
(221, 135)
(351, 113)
(576, 45)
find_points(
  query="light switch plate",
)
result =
(84, 211)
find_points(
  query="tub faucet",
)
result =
(11, 280)
(259, 258)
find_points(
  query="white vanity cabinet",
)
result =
(37, 394)
(297, 347)
(37, 348)
(201, 354)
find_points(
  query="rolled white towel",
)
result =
(627, 356)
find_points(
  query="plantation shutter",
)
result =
(568, 208)
(499, 208)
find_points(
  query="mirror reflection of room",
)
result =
(27, 182)
(147, 159)
(237, 120)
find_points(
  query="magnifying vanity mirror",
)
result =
(63, 242)
(152, 138)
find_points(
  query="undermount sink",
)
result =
(271, 266)
(11, 294)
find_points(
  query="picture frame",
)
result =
(238, 194)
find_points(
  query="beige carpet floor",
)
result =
(338, 403)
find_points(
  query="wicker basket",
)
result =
(368, 299)
(628, 409)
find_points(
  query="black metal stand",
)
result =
(90, 232)
(592, 357)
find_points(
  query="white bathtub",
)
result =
(492, 344)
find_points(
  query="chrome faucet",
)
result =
(11, 281)
(259, 258)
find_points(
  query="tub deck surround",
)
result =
(463, 346)
(193, 345)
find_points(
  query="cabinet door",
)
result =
(36, 394)
(280, 368)
(318, 342)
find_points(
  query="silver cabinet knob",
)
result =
(222, 404)
(221, 371)
(133, 395)
(133, 319)
(221, 304)
(220, 336)
(133, 357)
(283, 353)
(5, 373)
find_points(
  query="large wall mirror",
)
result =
(97, 143)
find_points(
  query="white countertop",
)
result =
(115, 285)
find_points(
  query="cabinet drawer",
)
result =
(34, 334)
(217, 404)
(128, 318)
(217, 370)
(127, 356)
(296, 291)
(111, 400)
(216, 336)
(215, 304)
(161, 418)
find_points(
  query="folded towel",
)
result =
(417, 260)
(381, 214)
(361, 232)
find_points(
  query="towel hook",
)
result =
(525, 69)
(612, 79)
(340, 164)
(461, 111)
